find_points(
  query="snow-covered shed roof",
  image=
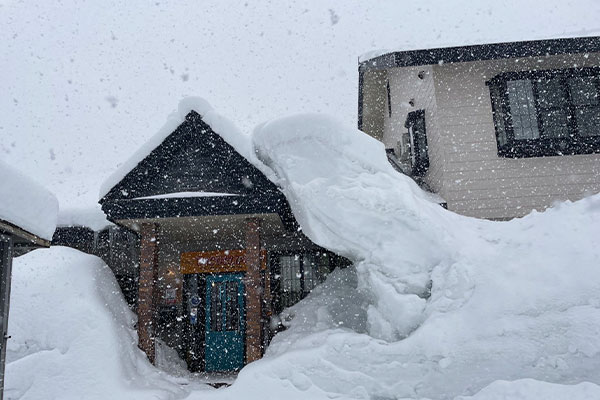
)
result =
(26, 206)
(486, 51)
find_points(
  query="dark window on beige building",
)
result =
(547, 113)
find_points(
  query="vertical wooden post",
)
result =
(254, 291)
(6, 248)
(148, 273)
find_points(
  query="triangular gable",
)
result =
(193, 158)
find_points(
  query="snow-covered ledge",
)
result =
(25, 204)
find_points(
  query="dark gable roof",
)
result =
(194, 159)
(492, 51)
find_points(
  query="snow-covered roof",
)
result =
(90, 217)
(219, 124)
(467, 51)
(26, 204)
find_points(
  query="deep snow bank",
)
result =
(72, 333)
(473, 301)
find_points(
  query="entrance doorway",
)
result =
(225, 322)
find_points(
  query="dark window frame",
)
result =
(389, 99)
(419, 148)
(280, 298)
(543, 146)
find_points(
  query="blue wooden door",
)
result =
(225, 322)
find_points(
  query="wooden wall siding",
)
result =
(254, 291)
(146, 292)
(404, 86)
(478, 182)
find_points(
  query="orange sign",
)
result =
(220, 261)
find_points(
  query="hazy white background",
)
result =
(84, 83)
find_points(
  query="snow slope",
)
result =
(26, 204)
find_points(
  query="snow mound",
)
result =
(72, 333)
(348, 198)
(26, 204)
(437, 305)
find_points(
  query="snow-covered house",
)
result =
(28, 215)
(220, 251)
(496, 129)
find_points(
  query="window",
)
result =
(416, 153)
(296, 275)
(547, 113)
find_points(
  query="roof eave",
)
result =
(491, 51)
(24, 237)
(263, 203)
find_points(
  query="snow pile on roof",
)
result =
(91, 217)
(219, 124)
(72, 333)
(26, 204)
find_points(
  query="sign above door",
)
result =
(220, 261)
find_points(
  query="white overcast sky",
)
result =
(85, 83)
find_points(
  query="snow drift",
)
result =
(72, 333)
(443, 304)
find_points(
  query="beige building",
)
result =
(497, 130)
